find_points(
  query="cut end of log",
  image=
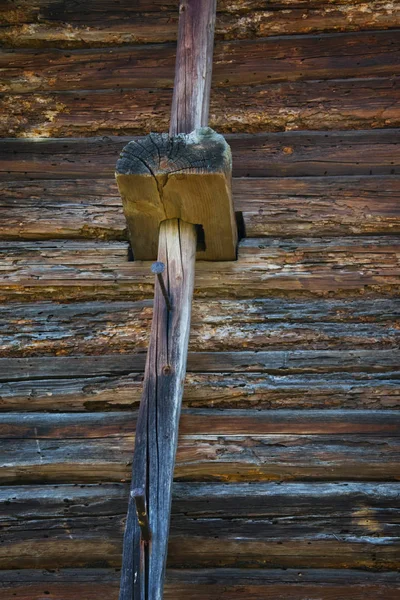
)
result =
(188, 177)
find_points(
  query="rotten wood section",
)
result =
(299, 267)
(92, 208)
(285, 154)
(50, 22)
(247, 62)
(46, 328)
(186, 176)
(235, 524)
(323, 105)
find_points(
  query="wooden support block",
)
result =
(187, 177)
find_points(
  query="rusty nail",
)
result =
(158, 269)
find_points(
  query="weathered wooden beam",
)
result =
(325, 105)
(95, 328)
(157, 430)
(299, 267)
(346, 522)
(103, 24)
(285, 154)
(202, 584)
(184, 177)
(74, 390)
(239, 62)
(92, 208)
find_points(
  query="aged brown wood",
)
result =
(73, 390)
(201, 584)
(85, 208)
(285, 154)
(207, 457)
(47, 22)
(202, 422)
(324, 105)
(299, 267)
(157, 428)
(186, 176)
(193, 66)
(98, 328)
(341, 518)
(247, 62)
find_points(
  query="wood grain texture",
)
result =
(200, 584)
(74, 448)
(285, 154)
(324, 105)
(207, 422)
(158, 419)
(339, 517)
(85, 208)
(49, 22)
(96, 328)
(247, 62)
(193, 66)
(74, 391)
(186, 176)
(95, 270)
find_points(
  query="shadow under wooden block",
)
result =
(188, 177)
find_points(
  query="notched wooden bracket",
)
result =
(188, 177)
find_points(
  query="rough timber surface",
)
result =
(308, 267)
(92, 208)
(323, 105)
(285, 154)
(94, 328)
(200, 584)
(360, 518)
(238, 62)
(51, 22)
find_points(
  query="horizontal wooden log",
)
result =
(85, 208)
(95, 270)
(285, 154)
(247, 62)
(324, 105)
(124, 327)
(201, 584)
(276, 362)
(346, 523)
(59, 23)
(322, 445)
(73, 391)
(208, 422)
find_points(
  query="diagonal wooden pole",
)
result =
(147, 526)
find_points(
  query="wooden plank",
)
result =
(200, 584)
(47, 328)
(299, 267)
(324, 105)
(342, 522)
(49, 23)
(85, 208)
(72, 390)
(238, 62)
(284, 154)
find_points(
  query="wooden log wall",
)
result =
(286, 483)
